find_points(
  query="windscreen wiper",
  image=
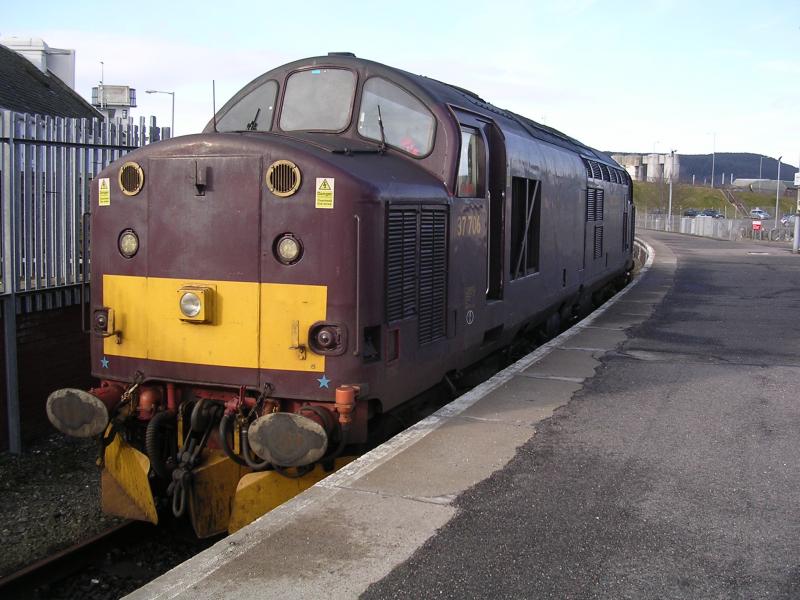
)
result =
(383, 135)
(251, 126)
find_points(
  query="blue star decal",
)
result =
(323, 381)
(104, 362)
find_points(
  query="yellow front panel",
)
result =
(287, 311)
(128, 297)
(146, 312)
(147, 315)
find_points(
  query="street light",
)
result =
(713, 155)
(777, 191)
(172, 122)
(671, 176)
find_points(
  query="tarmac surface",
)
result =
(651, 453)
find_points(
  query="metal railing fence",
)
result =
(46, 165)
(725, 229)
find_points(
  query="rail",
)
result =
(65, 562)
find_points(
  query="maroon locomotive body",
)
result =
(341, 237)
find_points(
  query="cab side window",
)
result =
(471, 165)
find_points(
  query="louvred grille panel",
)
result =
(432, 275)
(416, 268)
(401, 264)
(595, 200)
(598, 241)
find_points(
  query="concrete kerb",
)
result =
(207, 562)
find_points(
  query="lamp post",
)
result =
(777, 191)
(671, 177)
(102, 76)
(172, 122)
(713, 156)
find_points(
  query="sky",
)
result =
(657, 75)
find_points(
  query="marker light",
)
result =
(328, 339)
(128, 243)
(288, 249)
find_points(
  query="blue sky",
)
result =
(653, 75)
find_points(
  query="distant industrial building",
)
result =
(58, 61)
(109, 100)
(114, 100)
(650, 167)
(30, 85)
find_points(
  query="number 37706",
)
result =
(468, 225)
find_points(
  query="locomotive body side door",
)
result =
(468, 238)
(477, 227)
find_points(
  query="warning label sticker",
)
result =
(105, 192)
(324, 196)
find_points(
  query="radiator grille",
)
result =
(598, 241)
(432, 275)
(416, 269)
(595, 200)
(596, 170)
(401, 264)
(600, 206)
(588, 168)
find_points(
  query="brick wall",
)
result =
(52, 353)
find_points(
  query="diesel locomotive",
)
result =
(342, 236)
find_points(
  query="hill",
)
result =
(743, 165)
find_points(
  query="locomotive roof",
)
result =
(453, 94)
(441, 93)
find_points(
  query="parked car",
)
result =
(690, 212)
(713, 213)
(758, 213)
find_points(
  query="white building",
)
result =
(650, 167)
(58, 61)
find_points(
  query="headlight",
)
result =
(288, 249)
(128, 243)
(190, 304)
(196, 303)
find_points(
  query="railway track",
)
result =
(104, 566)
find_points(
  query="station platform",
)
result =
(650, 451)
